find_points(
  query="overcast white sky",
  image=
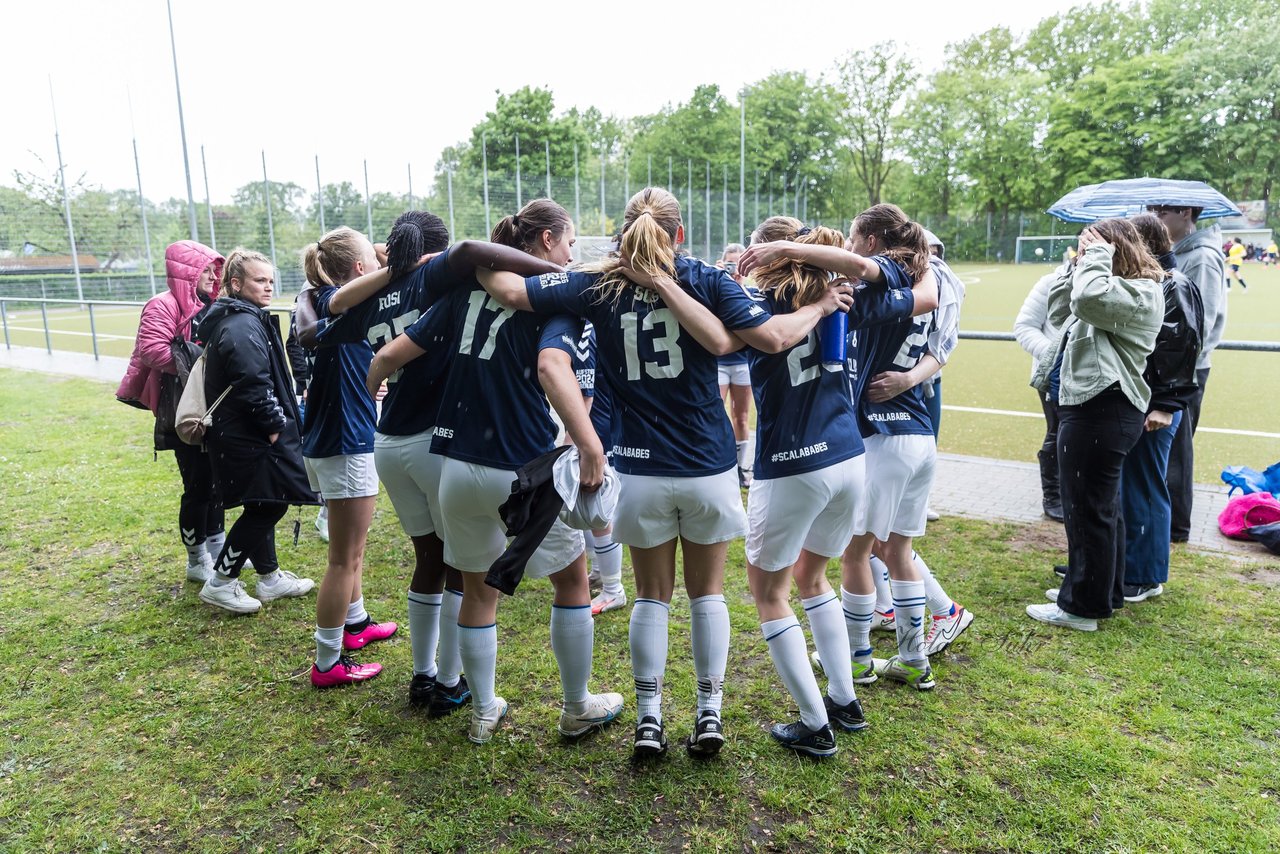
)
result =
(396, 82)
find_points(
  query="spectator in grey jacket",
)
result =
(1200, 259)
(1036, 335)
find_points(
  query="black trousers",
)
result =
(252, 536)
(1182, 469)
(1093, 440)
(200, 513)
(1048, 454)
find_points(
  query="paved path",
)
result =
(980, 487)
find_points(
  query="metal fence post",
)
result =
(93, 332)
(320, 194)
(449, 183)
(548, 145)
(368, 201)
(484, 161)
(688, 222)
(44, 314)
(208, 202)
(519, 200)
(604, 220)
(577, 196)
(724, 204)
(4, 317)
(707, 257)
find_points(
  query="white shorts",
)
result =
(899, 477)
(739, 374)
(473, 532)
(343, 476)
(814, 511)
(704, 510)
(411, 474)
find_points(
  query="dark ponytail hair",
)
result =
(523, 230)
(903, 240)
(414, 234)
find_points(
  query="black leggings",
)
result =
(253, 536)
(1094, 438)
(200, 513)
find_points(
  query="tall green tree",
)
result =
(873, 84)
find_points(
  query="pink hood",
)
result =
(164, 316)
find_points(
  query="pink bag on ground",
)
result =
(1245, 511)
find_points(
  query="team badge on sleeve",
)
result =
(550, 280)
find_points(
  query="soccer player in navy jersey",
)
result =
(494, 420)
(672, 443)
(377, 308)
(337, 447)
(735, 380)
(888, 252)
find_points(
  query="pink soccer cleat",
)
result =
(344, 671)
(369, 633)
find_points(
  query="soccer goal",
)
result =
(1042, 248)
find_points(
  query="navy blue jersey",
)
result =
(738, 358)
(413, 392)
(895, 345)
(495, 413)
(582, 354)
(668, 418)
(340, 414)
(805, 417)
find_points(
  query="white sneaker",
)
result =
(608, 602)
(1051, 594)
(322, 523)
(201, 569)
(884, 621)
(1053, 615)
(286, 584)
(931, 515)
(229, 597)
(943, 630)
(483, 725)
(597, 711)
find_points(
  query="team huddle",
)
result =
(493, 352)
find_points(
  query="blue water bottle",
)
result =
(833, 333)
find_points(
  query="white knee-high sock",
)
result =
(213, 544)
(709, 619)
(328, 646)
(649, 655)
(884, 592)
(831, 637)
(908, 604)
(935, 597)
(479, 648)
(572, 639)
(858, 610)
(608, 560)
(424, 630)
(787, 649)
(356, 613)
(448, 657)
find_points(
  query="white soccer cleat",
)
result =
(286, 584)
(598, 711)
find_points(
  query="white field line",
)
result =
(105, 335)
(977, 410)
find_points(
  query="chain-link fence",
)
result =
(113, 228)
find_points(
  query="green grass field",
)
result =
(137, 719)
(983, 374)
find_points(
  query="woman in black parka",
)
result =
(254, 444)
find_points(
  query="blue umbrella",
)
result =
(1133, 195)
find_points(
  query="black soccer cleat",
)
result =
(708, 735)
(445, 701)
(848, 717)
(819, 743)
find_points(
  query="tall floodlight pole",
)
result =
(368, 201)
(577, 200)
(320, 194)
(66, 197)
(724, 204)
(548, 144)
(707, 257)
(604, 220)
(266, 192)
(519, 200)
(449, 183)
(182, 127)
(410, 168)
(742, 168)
(142, 202)
(208, 202)
(484, 162)
(688, 223)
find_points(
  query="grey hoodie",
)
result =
(1200, 259)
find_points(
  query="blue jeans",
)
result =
(1144, 493)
